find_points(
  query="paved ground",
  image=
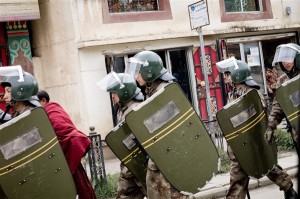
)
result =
(218, 186)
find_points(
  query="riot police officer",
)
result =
(20, 95)
(238, 74)
(288, 58)
(125, 96)
(150, 71)
(147, 67)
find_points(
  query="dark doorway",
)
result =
(178, 64)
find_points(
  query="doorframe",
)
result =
(261, 55)
(191, 72)
(193, 82)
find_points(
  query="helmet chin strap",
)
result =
(10, 104)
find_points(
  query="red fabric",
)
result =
(83, 185)
(73, 142)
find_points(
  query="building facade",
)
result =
(75, 43)
(15, 42)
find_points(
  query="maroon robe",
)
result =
(74, 145)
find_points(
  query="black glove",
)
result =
(269, 135)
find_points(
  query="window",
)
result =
(241, 10)
(21, 144)
(132, 5)
(242, 5)
(120, 11)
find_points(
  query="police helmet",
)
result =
(287, 53)
(239, 71)
(22, 90)
(122, 84)
(150, 65)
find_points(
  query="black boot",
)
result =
(290, 194)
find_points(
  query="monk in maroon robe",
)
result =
(73, 142)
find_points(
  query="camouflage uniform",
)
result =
(239, 179)
(277, 114)
(158, 186)
(128, 185)
(271, 77)
(25, 107)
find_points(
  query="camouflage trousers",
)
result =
(158, 187)
(239, 179)
(129, 186)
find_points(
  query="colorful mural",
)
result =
(19, 45)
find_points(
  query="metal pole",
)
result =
(205, 74)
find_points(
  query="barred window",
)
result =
(244, 10)
(116, 6)
(242, 5)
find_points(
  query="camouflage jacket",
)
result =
(125, 109)
(277, 114)
(154, 87)
(241, 91)
(21, 110)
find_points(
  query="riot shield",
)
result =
(243, 123)
(288, 96)
(174, 137)
(32, 164)
(124, 145)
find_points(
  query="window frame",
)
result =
(266, 13)
(164, 13)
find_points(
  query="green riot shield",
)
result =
(243, 123)
(32, 164)
(123, 143)
(288, 96)
(174, 137)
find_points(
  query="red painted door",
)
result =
(214, 82)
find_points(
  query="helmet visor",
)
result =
(12, 71)
(134, 65)
(114, 80)
(284, 53)
(227, 65)
(109, 81)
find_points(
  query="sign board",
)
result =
(19, 10)
(198, 14)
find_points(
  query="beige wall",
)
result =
(70, 42)
(56, 61)
(93, 32)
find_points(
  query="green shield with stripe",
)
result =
(288, 96)
(125, 146)
(243, 123)
(174, 137)
(32, 164)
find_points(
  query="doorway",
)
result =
(178, 66)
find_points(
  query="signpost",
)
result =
(198, 14)
(199, 17)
